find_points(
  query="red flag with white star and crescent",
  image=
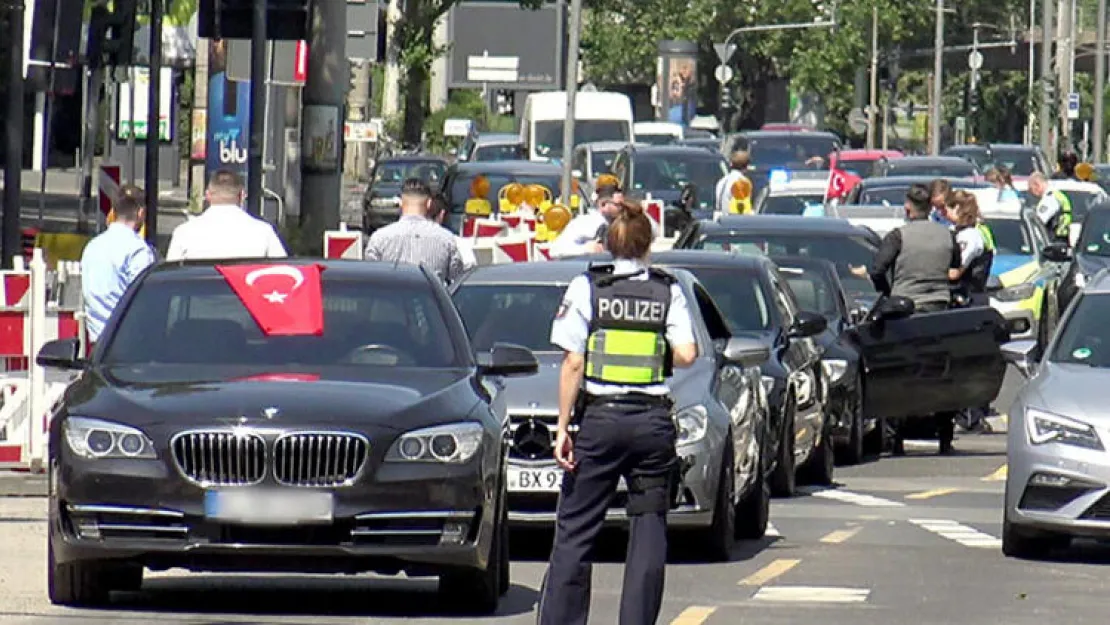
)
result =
(840, 183)
(284, 300)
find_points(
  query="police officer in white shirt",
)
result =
(225, 230)
(585, 233)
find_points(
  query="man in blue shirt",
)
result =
(113, 259)
(938, 192)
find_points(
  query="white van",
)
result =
(599, 116)
(659, 133)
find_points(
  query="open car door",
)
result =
(931, 362)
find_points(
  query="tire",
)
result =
(783, 480)
(478, 591)
(821, 466)
(77, 584)
(853, 452)
(721, 534)
(753, 511)
(874, 442)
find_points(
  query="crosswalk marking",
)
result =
(769, 572)
(694, 615)
(966, 536)
(936, 492)
(859, 499)
(812, 594)
(998, 476)
(840, 536)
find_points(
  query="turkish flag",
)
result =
(840, 183)
(284, 300)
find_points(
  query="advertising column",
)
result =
(228, 116)
(677, 81)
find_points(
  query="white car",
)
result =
(793, 193)
(878, 218)
(658, 133)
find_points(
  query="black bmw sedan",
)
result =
(298, 416)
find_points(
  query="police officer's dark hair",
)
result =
(920, 198)
(416, 188)
(630, 234)
(129, 202)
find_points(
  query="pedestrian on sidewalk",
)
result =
(225, 230)
(113, 259)
(415, 239)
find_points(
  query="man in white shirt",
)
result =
(585, 233)
(225, 230)
(738, 164)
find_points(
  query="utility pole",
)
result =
(10, 240)
(1047, 79)
(259, 83)
(1064, 56)
(874, 103)
(938, 81)
(1030, 118)
(48, 113)
(575, 24)
(325, 92)
(358, 110)
(391, 91)
(973, 84)
(153, 120)
(1100, 81)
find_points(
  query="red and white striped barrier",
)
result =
(33, 311)
(343, 243)
(108, 183)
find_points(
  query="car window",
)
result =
(601, 162)
(788, 309)
(203, 322)
(578, 163)
(1011, 237)
(714, 322)
(1085, 337)
(519, 314)
(860, 167)
(619, 168)
(810, 205)
(549, 134)
(791, 151)
(506, 152)
(667, 172)
(396, 172)
(981, 158)
(1019, 162)
(1094, 239)
(811, 291)
(739, 296)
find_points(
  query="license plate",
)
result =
(269, 507)
(546, 480)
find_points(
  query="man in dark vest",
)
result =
(919, 261)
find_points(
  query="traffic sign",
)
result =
(723, 74)
(975, 59)
(857, 120)
(724, 51)
(1073, 105)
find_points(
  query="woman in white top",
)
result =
(976, 251)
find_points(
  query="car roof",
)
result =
(779, 224)
(558, 272)
(804, 262)
(533, 168)
(606, 145)
(870, 154)
(334, 269)
(410, 158)
(497, 139)
(968, 147)
(899, 181)
(931, 160)
(771, 134)
(671, 150)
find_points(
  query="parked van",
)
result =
(599, 116)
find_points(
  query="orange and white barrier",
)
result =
(38, 306)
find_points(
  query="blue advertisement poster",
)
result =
(228, 116)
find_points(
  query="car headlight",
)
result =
(691, 424)
(455, 443)
(1045, 427)
(94, 438)
(1080, 279)
(385, 202)
(1015, 293)
(835, 368)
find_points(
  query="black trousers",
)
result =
(614, 440)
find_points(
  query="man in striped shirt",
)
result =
(415, 239)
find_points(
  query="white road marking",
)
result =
(966, 536)
(812, 594)
(847, 496)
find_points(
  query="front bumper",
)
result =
(144, 512)
(536, 508)
(1020, 319)
(1059, 488)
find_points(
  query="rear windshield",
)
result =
(790, 152)
(203, 322)
(396, 172)
(509, 314)
(1019, 162)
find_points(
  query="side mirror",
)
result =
(507, 360)
(746, 352)
(893, 308)
(61, 354)
(808, 324)
(1056, 253)
(1022, 355)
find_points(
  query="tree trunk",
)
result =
(416, 86)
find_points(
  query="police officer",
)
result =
(1053, 207)
(585, 233)
(976, 247)
(919, 260)
(622, 327)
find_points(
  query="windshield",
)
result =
(656, 173)
(1019, 162)
(843, 251)
(548, 138)
(900, 167)
(813, 292)
(1094, 239)
(862, 168)
(519, 314)
(1011, 237)
(1083, 338)
(655, 138)
(460, 188)
(503, 152)
(791, 152)
(739, 296)
(895, 195)
(980, 158)
(601, 162)
(203, 322)
(396, 172)
(810, 205)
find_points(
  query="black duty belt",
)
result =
(630, 400)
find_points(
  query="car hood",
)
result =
(1090, 264)
(1071, 390)
(1005, 263)
(394, 398)
(539, 394)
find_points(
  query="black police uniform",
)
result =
(622, 433)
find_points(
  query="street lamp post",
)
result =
(1100, 81)
(873, 106)
(938, 91)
